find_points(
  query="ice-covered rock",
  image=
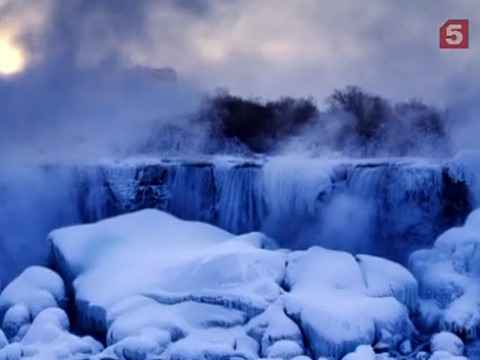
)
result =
(336, 309)
(48, 338)
(363, 352)
(214, 343)
(33, 291)
(272, 326)
(159, 286)
(16, 321)
(445, 355)
(449, 280)
(36, 287)
(284, 349)
(447, 342)
(170, 261)
(11, 352)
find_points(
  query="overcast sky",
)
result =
(264, 48)
(258, 47)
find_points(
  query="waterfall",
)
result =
(380, 207)
(240, 203)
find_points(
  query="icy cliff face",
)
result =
(386, 207)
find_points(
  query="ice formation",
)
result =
(34, 322)
(156, 285)
(448, 342)
(341, 304)
(448, 275)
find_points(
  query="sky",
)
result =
(58, 56)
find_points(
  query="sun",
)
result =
(12, 58)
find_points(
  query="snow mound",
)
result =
(78, 248)
(448, 342)
(33, 291)
(214, 343)
(449, 280)
(338, 310)
(363, 352)
(154, 255)
(48, 338)
(273, 326)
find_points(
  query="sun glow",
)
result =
(12, 58)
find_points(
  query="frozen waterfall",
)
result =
(382, 207)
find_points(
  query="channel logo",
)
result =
(454, 34)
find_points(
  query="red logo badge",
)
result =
(454, 34)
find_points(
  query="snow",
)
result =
(16, 321)
(168, 260)
(34, 290)
(214, 343)
(3, 340)
(272, 326)
(444, 355)
(284, 349)
(449, 280)
(448, 342)
(466, 166)
(156, 285)
(48, 338)
(362, 352)
(335, 309)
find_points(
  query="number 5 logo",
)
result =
(454, 34)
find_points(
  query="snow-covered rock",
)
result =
(273, 326)
(449, 280)
(214, 343)
(330, 299)
(48, 338)
(445, 355)
(447, 342)
(33, 291)
(362, 352)
(156, 285)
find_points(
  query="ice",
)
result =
(170, 261)
(383, 278)
(466, 166)
(11, 352)
(48, 338)
(273, 326)
(214, 344)
(284, 349)
(335, 309)
(448, 276)
(192, 192)
(448, 342)
(292, 186)
(155, 285)
(134, 315)
(79, 247)
(240, 204)
(363, 352)
(16, 321)
(3, 340)
(34, 290)
(444, 355)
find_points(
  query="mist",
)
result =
(86, 86)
